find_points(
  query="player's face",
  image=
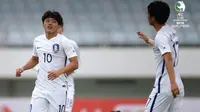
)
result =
(50, 25)
(60, 30)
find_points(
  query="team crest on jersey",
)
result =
(56, 48)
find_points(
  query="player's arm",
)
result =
(30, 64)
(165, 50)
(73, 65)
(149, 41)
(69, 72)
(76, 48)
(69, 68)
(170, 69)
(72, 51)
(169, 66)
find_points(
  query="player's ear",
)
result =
(60, 27)
(43, 24)
(60, 30)
(151, 20)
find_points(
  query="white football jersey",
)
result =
(165, 41)
(53, 55)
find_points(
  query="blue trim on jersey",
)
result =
(65, 61)
(154, 100)
(163, 67)
(159, 80)
(31, 107)
(65, 65)
(66, 100)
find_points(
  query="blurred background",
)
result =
(117, 68)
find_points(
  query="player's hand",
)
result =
(18, 72)
(175, 89)
(53, 74)
(143, 36)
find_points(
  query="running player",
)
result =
(71, 89)
(50, 51)
(168, 91)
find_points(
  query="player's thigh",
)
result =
(39, 104)
(176, 105)
(69, 101)
(52, 108)
(158, 102)
(61, 109)
(38, 101)
(57, 99)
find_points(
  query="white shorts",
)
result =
(164, 102)
(60, 100)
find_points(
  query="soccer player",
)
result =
(168, 91)
(50, 51)
(70, 90)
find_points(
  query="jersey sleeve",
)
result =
(76, 48)
(69, 49)
(163, 44)
(34, 49)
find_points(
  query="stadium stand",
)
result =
(90, 22)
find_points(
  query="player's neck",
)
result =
(158, 26)
(50, 35)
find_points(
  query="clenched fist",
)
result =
(18, 72)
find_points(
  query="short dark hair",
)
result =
(160, 10)
(55, 15)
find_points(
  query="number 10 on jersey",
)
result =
(47, 57)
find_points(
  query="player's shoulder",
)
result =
(165, 32)
(160, 36)
(40, 37)
(73, 42)
(64, 39)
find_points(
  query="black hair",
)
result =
(55, 15)
(160, 10)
